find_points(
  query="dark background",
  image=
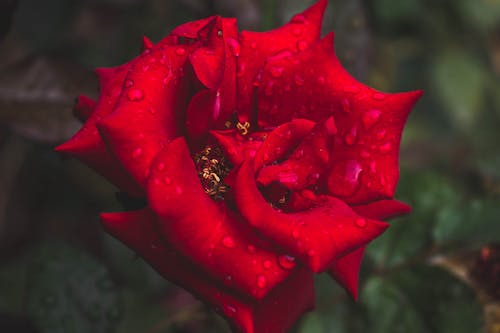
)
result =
(436, 270)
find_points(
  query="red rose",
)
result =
(262, 161)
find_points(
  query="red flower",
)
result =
(262, 160)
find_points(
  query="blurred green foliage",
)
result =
(425, 274)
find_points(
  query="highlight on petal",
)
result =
(212, 236)
(149, 111)
(316, 236)
(275, 313)
(256, 47)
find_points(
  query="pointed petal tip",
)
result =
(147, 44)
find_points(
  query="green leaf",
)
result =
(70, 292)
(312, 324)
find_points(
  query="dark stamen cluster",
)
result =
(213, 167)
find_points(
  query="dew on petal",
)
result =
(241, 69)
(299, 80)
(229, 310)
(234, 46)
(302, 45)
(330, 125)
(385, 148)
(299, 153)
(267, 264)
(351, 136)
(381, 134)
(261, 281)
(286, 262)
(135, 95)
(276, 71)
(137, 153)
(295, 234)
(228, 242)
(378, 96)
(370, 118)
(160, 166)
(299, 18)
(180, 51)
(360, 222)
(178, 189)
(253, 45)
(345, 178)
(167, 180)
(311, 253)
(251, 249)
(346, 105)
(297, 31)
(288, 177)
(351, 89)
(321, 80)
(129, 83)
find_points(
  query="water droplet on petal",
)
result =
(352, 89)
(267, 264)
(351, 136)
(253, 45)
(160, 166)
(137, 153)
(311, 253)
(299, 80)
(241, 69)
(346, 105)
(251, 249)
(295, 233)
(135, 95)
(385, 148)
(378, 96)
(261, 281)
(167, 180)
(360, 222)
(302, 45)
(297, 31)
(321, 80)
(369, 118)
(286, 262)
(288, 177)
(178, 189)
(229, 310)
(180, 51)
(234, 46)
(228, 242)
(330, 125)
(381, 134)
(276, 71)
(129, 83)
(344, 178)
(299, 18)
(299, 153)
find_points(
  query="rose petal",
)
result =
(147, 114)
(83, 108)
(382, 209)
(147, 44)
(87, 144)
(305, 165)
(199, 115)
(316, 236)
(256, 47)
(210, 235)
(345, 271)
(281, 140)
(208, 61)
(237, 147)
(368, 124)
(275, 313)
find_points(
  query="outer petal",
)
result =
(237, 147)
(316, 236)
(256, 47)
(274, 314)
(345, 270)
(147, 114)
(83, 108)
(209, 234)
(87, 145)
(313, 85)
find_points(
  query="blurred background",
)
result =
(436, 270)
